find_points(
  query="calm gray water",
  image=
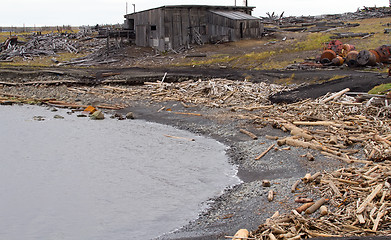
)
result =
(77, 178)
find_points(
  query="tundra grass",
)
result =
(381, 89)
(265, 60)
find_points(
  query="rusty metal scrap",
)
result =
(336, 53)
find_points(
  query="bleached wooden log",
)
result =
(380, 139)
(315, 207)
(270, 195)
(315, 234)
(379, 216)
(335, 189)
(347, 160)
(264, 152)
(307, 178)
(252, 135)
(360, 218)
(316, 175)
(272, 237)
(333, 140)
(304, 207)
(318, 123)
(294, 186)
(241, 234)
(369, 198)
(296, 131)
(336, 95)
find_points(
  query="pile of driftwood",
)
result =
(351, 201)
(336, 127)
(212, 93)
(103, 53)
(53, 43)
(48, 44)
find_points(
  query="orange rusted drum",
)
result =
(327, 56)
(338, 61)
(384, 53)
(366, 58)
(376, 55)
(351, 58)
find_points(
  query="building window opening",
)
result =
(153, 28)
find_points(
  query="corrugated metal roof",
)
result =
(235, 15)
(217, 8)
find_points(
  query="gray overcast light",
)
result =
(88, 12)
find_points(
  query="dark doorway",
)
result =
(241, 29)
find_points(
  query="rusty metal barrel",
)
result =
(376, 55)
(351, 59)
(366, 58)
(327, 56)
(338, 61)
(384, 53)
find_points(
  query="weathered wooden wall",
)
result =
(173, 27)
(149, 28)
(181, 25)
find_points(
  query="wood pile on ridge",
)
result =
(211, 93)
(49, 45)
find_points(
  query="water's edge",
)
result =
(203, 182)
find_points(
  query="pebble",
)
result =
(129, 115)
(58, 117)
(97, 115)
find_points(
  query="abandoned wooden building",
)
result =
(172, 27)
